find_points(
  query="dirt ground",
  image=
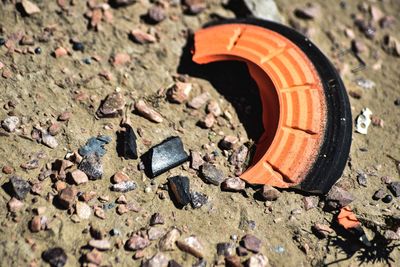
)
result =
(42, 86)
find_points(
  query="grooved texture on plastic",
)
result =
(294, 104)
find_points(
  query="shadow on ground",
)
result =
(232, 80)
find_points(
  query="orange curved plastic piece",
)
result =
(294, 105)
(347, 219)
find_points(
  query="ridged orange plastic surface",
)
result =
(294, 105)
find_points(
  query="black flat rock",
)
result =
(180, 190)
(164, 156)
(126, 142)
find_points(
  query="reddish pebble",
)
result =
(54, 129)
(120, 59)
(142, 37)
(65, 116)
(60, 52)
(8, 169)
(15, 205)
(79, 177)
(208, 121)
(119, 177)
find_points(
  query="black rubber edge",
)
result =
(335, 149)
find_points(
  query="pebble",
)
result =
(391, 235)
(337, 197)
(269, 193)
(198, 101)
(198, 199)
(233, 261)
(20, 187)
(158, 260)
(192, 246)
(15, 205)
(67, 197)
(173, 263)
(121, 200)
(239, 156)
(252, 243)
(136, 242)
(310, 202)
(258, 260)
(155, 233)
(358, 46)
(119, 177)
(54, 129)
(35, 224)
(102, 244)
(214, 108)
(379, 194)
(212, 174)
(200, 263)
(386, 180)
(10, 124)
(195, 6)
(30, 165)
(180, 189)
(234, 184)
(142, 37)
(131, 206)
(78, 46)
(310, 11)
(94, 257)
(195, 160)
(167, 243)
(387, 199)
(376, 121)
(79, 177)
(207, 122)
(391, 45)
(126, 142)
(83, 210)
(156, 218)
(95, 145)
(60, 52)
(49, 140)
(56, 257)
(91, 165)
(156, 14)
(112, 105)
(7, 169)
(147, 112)
(365, 83)
(65, 116)
(29, 7)
(225, 249)
(122, 3)
(38, 50)
(228, 142)
(120, 59)
(179, 92)
(322, 230)
(124, 186)
(362, 179)
(395, 188)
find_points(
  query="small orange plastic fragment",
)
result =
(347, 219)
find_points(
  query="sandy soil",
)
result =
(42, 87)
